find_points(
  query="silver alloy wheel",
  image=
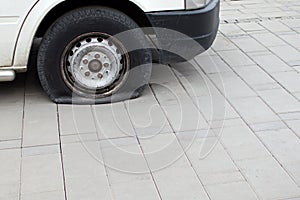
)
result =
(95, 65)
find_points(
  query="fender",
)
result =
(42, 7)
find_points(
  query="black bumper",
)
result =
(198, 27)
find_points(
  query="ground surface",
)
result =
(169, 143)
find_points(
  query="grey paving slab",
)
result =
(164, 96)
(267, 126)
(163, 151)
(232, 86)
(294, 198)
(222, 43)
(40, 150)
(200, 85)
(297, 95)
(10, 173)
(292, 23)
(294, 172)
(128, 151)
(254, 76)
(233, 109)
(10, 144)
(297, 68)
(231, 29)
(60, 194)
(248, 44)
(185, 68)
(208, 52)
(278, 14)
(260, 9)
(13, 197)
(9, 114)
(286, 53)
(280, 100)
(87, 187)
(212, 64)
(186, 136)
(75, 138)
(76, 119)
(116, 177)
(221, 178)
(41, 173)
(242, 143)
(275, 26)
(289, 80)
(258, 113)
(168, 91)
(236, 190)
(292, 38)
(230, 14)
(268, 39)
(134, 190)
(283, 144)
(112, 121)
(290, 116)
(170, 170)
(83, 159)
(271, 63)
(162, 74)
(127, 181)
(208, 156)
(227, 123)
(268, 178)
(84, 171)
(267, 86)
(215, 108)
(171, 186)
(147, 118)
(236, 58)
(40, 125)
(185, 117)
(294, 125)
(250, 26)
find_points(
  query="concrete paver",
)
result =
(235, 190)
(268, 178)
(224, 125)
(10, 173)
(41, 173)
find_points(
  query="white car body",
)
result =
(71, 43)
(20, 19)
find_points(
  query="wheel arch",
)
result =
(46, 12)
(127, 7)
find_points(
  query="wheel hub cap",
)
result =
(95, 66)
(95, 63)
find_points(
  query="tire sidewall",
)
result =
(82, 21)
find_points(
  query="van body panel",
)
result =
(12, 16)
(31, 21)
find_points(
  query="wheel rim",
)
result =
(95, 65)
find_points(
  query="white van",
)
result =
(83, 55)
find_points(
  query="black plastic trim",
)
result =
(200, 25)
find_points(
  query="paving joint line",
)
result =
(92, 109)
(269, 74)
(61, 154)
(22, 137)
(185, 154)
(281, 166)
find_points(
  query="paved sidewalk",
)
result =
(224, 126)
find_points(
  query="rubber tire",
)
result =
(86, 20)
